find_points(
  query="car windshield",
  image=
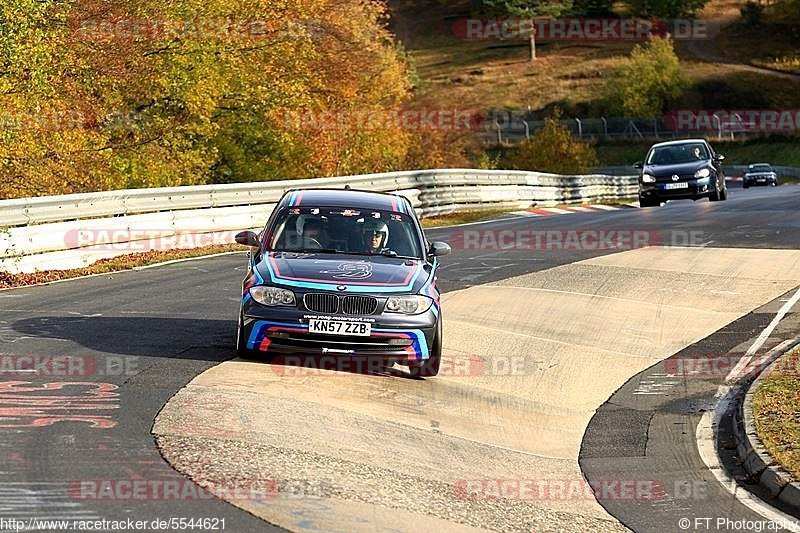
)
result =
(677, 154)
(760, 168)
(346, 231)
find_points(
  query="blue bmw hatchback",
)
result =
(345, 273)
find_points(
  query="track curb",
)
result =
(755, 459)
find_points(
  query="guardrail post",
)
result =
(580, 128)
(527, 129)
(605, 127)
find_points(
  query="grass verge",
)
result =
(115, 264)
(776, 410)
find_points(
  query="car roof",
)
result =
(681, 141)
(760, 165)
(348, 198)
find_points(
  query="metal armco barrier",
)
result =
(71, 231)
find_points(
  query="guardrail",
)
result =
(71, 231)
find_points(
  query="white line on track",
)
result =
(762, 338)
(707, 428)
(558, 211)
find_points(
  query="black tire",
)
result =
(241, 343)
(745, 186)
(646, 202)
(715, 196)
(430, 366)
(724, 194)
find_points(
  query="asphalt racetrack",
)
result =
(551, 378)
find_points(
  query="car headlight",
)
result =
(647, 178)
(702, 173)
(413, 304)
(272, 295)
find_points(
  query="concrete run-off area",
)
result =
(355, 452)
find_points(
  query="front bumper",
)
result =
(696, 188)
(284, 330)
(759, 180)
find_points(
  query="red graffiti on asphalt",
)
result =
(25, 404)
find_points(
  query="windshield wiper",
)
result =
(313, 251)
(393, 254)
(385, 253)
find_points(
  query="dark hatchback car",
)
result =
(346, 274)
(685, 169)
(760, 174)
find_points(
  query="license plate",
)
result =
(338, 327)
(679, 185)
(762, 179)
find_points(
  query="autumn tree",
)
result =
(553, 149)
(647, 80)
(100, 94)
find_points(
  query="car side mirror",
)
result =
(638, 165)
(439, 249)
(719, 157)
(248, 238)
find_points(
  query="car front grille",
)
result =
(359, 305)
(321, 303)
(332, 303)
(682, 177)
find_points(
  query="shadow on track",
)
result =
(201, 339)
(181, 338)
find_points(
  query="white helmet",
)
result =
(371, 227)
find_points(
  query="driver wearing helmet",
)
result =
(376, 236)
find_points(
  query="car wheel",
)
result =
(241, 341)
(430, 366)
(745, 186)
(724, 193)
(647, 202)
